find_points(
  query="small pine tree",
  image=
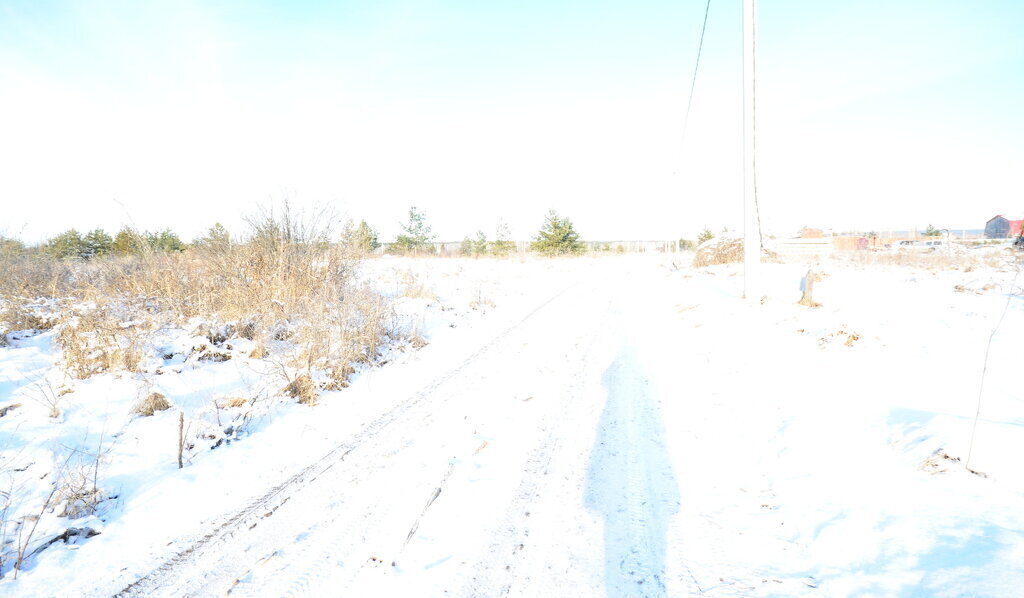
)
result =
(557, 237)
(705, 236)
(128, 241)
(480, 244)
(217, 237)
(164, 240)
(67, 245)
(503, 244)
(417, 234)
(96, 243)
(931, 231)
(466, 247)
(361, 238)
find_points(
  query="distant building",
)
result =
(1000, 227)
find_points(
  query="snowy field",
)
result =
(599, 426)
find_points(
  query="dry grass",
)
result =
(725, 251)
(412, 287)
(22, 316)
(151, 404)
(232, 403)
(303, 389)
(285, 288)
(940, 260)
(94, 340)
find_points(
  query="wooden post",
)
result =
(181, 436)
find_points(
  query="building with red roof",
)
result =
(1001, 227)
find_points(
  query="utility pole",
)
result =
(751, 232)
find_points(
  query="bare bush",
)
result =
(285, 288)
(232, 403)
(77, 493)
(725, 251)
(101, 339)
(151, 404)
(303, 389)
(21, 315)
(41, 390)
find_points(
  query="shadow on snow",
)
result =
(630, 482)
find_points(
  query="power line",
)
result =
(693, 83)
(984, 367)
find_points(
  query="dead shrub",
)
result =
(303, 389)
(18, 315)
(95, 341)
(286, 288)
(338, 375)
(412, 287)
(214, 356)
(232, 403)
(151, 404)
(725, 251)
(77, 493)
(41, 390)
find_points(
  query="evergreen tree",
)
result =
(128, 241)
(217, 237)
(705, 235)
(164, 240)
(466, 247)
(361, 238)
(417, 234)
(480, 244)
(96, 244)
(557, 237)
(503, 244)
(68, 244)
(931, 231)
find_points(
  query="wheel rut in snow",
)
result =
(176, 570)
(498, 570)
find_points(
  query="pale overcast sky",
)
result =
(871, 114)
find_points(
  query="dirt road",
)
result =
(536, 467)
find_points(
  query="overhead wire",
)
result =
(753, 127)
(689, 107)
(984, 367)
(696, 66)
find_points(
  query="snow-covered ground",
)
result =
(600, 426)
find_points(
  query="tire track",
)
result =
(181, 563)
(312, 555)
(496, 575)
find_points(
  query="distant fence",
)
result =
(822, 246)
(454, 248)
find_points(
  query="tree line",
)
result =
(557, 236)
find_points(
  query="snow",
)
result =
(616, 425)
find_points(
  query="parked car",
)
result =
(929, 245)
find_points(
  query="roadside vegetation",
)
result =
(136, 308)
